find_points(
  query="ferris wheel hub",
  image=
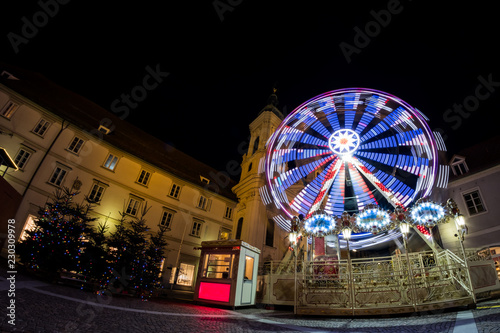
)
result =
(344, 142)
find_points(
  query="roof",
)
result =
(87, 115)
(479, 157)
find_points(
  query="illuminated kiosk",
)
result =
(348, 170)
(227, 274)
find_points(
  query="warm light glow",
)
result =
(293, 237)
(214, 291)
(460, 221)
(405, 228)
(346, 232)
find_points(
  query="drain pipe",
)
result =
(64, 125)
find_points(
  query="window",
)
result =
(270, 233)
(228, 213)
(144, 177)
(8, 109)
(203, 203)
(110, 162)
(255, 145)
(205, 180)
(474, 202)
(249, 262)
(186, 273)
(104, 129)
(41, 127)
(58, 176)
(239, 228)
(22, 158)
(75, 145)
(175, 191)
(218, 266)
(458, 165)
(196, 228)
(166, 218)
(133, 206)
(28, 226)
(96, 192)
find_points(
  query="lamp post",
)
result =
(294, 238)
(462, 230)
(404, 227)
(347, 232)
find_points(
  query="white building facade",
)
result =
(58, 139)
(474, 185)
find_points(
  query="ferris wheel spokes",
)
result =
(388, 185)
(349, 148)
(326, 183)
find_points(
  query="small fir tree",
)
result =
(61, 232)
(136, 255)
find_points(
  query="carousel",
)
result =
(349, 178)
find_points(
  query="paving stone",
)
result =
(54, 308)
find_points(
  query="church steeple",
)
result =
(251, 223)
(272, 105)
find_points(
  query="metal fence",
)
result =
(395, 284)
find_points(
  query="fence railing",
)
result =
(396, 282)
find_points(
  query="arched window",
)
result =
(255, 145)
(249, 167)
(238, 228)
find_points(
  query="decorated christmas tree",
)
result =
(136, 255)
(61, 234)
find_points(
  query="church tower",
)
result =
(252, 223)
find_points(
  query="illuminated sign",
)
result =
(214, 291)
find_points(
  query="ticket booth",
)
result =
(227, 273)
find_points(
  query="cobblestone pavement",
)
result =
(41, 307)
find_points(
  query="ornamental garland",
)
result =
(428, 214)
(373, 219)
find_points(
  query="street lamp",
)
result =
(404, 227)
(462, 231)
(294, 238)
(346, 233)
(461, 227)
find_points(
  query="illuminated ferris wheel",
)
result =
(349, 148)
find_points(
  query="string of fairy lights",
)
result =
(375, 221)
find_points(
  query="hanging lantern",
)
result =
(373, 219)
(428, 213)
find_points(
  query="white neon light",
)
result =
(344, 142)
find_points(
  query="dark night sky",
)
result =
(222, 71)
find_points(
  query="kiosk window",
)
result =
(249, 268)
(218, 266)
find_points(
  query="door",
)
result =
(246, 290)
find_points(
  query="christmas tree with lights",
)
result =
(62, 238)
(136, 255)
